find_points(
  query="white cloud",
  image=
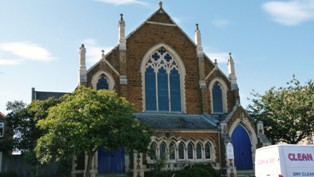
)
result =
(93, 50)
(221, 23)
(123, 2)
(292, 12)
(222, 57)
(23, 51)
(9, 61)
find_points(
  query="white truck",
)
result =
(285, 161)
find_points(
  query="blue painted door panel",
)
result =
(110, 161)
(242, 149)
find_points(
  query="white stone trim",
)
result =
(181, 69)
(113, 69)
(177, 140)
(224, 90)
(160, 23)
(110, 79)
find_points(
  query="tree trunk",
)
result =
(90, 156)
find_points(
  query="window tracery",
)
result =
(162, 82)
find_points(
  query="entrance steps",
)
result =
(245, 173)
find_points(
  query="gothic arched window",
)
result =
(181, 151)
(102, 83)
(190, 151)
(172, 151)
(162, 149)
(162, 82)
(207, 151)
(217, 98)
(153, 150)
(199, 151)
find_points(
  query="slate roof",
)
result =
(177, 121)
(40, 95)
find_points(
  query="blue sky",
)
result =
(39, 40)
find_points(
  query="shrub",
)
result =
(208, 168)
(198, 170)
(195, 172)
(8, 174)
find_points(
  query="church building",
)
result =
(192, 107)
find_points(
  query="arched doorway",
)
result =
(242, 149)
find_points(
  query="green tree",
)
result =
(23, 119)
(87, 120)
(287, 112)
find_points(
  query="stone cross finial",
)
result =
(121, 17)
(160, 4)
(102, 52)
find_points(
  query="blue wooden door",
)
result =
(242, 149)
(110, 161)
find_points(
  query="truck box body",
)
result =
(285, 161)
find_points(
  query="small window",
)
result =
(1, 129)
(162, 150)
(199, 151)
(172, 150)
(217, 98)
(181, 151)
(190, 151)
(102, 83)
(153, 151)
(207, 151)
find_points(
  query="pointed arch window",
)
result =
(162, 82)
(181, 151)
(102, 83)
(217, 98)
(190, 151)
(199, 151)
(172, 151)
(153, 151)
(207, 151)
(163, 148)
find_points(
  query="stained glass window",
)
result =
(217, 98)
(102, 83)
(162, 82)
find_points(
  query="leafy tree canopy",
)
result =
(287, 112)
(23, 119)
(87, 120)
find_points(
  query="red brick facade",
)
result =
(160, 30)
